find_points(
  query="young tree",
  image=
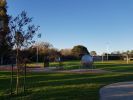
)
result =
(22, 32)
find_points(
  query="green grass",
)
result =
(68, 86)
(66, 64)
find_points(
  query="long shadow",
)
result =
(117, 67)
(67, 93)
(62, 88)
(101, 65)
(104, 79)
(75, 88)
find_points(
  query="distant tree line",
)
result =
(13, 36)
(47, 49)
(16, 34)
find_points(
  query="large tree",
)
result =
(66, 52)
(79, 51)
(5, 38)
(42, 49)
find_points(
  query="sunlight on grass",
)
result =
(68, 86)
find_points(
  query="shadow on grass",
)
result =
(74, 87)
(75, 92)
(59, 86)
(80, 79)
(116, 67)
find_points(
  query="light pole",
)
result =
(102, 58)
(107, 47)
(37, 54)
(37, 48)
(127, 59)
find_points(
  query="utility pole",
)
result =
(102, 58)
(107, 51)
(37, 53)
(127, 59)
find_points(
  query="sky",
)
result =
(100, 25)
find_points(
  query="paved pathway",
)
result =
(54, 69)
(117, 91)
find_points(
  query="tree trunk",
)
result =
(17, 65)
(1, 60)
(24, 77)
(11, 84)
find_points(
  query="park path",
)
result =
(80, 71)
(117, 91)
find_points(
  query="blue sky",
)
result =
(92, 23)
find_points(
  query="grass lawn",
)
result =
(66, 86)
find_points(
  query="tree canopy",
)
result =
(79, 51)
(93, 53)
(5, 38)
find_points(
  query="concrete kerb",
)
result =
(117, 91)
